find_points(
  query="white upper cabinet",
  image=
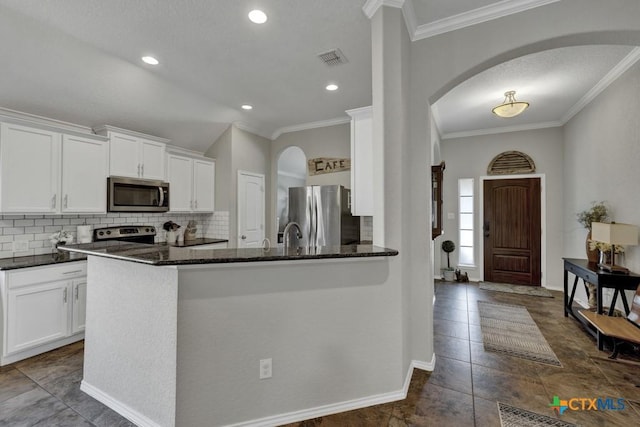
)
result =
(180, 177)
(192, 183)
(204, 176)
(43, 171)
(152, 159)
(361, 161)
(29, 169)
(134, 155)
(84, 174)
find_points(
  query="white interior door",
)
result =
(250, 209)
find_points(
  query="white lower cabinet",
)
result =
(43, 308)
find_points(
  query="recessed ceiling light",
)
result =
(331, 87)
(150, 60)
(257, 16)
(247, 107)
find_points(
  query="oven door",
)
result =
(137, 195)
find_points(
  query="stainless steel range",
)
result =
(126, 233)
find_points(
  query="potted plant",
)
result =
(448, 246)
(598, 212)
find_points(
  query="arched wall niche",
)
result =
(292, 172)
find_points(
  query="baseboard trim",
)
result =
(132, 415)
(291, 417)
(321, 411)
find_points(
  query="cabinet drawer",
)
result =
(30, 276)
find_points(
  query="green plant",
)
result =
(597, 213)
(448, 246)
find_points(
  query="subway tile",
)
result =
(7, 246)
(33, 230)
(61, 221)
(23, 222)
(6, 254)
(13, 230)
(13, 217)
(44, 221)
(6, 223)
(5, 239)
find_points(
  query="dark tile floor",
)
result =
(462, 390)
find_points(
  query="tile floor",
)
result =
(462, 390)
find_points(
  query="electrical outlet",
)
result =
(265, 368)
(20, 245)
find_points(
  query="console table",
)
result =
(589, 272)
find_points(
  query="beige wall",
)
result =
(238, 150)
(601, 158)
(469, 158)
(328, 141)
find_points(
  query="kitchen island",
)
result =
(182, 337)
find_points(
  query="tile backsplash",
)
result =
(35, 230)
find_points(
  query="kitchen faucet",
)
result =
(287, 238)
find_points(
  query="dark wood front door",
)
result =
(512, 231)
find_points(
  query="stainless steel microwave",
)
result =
(137, 195)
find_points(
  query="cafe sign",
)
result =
(322, 165)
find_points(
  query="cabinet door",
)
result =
(124, 156)
(36, 315)
(79, 305)
(152, 160)
(84, 173)
(29, 169)
(204, 175)
(179, 175)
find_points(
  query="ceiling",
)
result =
(79, 61)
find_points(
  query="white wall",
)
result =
(469, 158)
(601, 158)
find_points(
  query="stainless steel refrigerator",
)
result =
(324, 215)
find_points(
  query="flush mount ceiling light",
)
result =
(247, 107)
(257, 16)
(150, 60)
(331, 87)
(510, 107)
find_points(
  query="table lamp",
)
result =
(614, 234)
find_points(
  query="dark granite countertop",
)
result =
(163, 254)
(195, 242)
(39, 260)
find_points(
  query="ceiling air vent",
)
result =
(333, 57)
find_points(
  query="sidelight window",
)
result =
(466, 221)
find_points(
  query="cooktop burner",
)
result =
(130, 233)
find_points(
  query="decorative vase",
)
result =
(592, 254)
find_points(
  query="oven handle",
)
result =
(160, 189)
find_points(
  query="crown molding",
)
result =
(312, 125)
(247, 128)
(27, 118)
(102, 130)
(371, 6)
(617, 71)
(507, 129)
(477, 16)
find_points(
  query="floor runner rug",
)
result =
(510, 329)
(510, 416)
(536, 291)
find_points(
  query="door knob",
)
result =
(243, 237)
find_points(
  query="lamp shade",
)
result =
(614, 233)
(510, 107)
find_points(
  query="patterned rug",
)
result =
(510, 416)
(536, 291)
(509, 329)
